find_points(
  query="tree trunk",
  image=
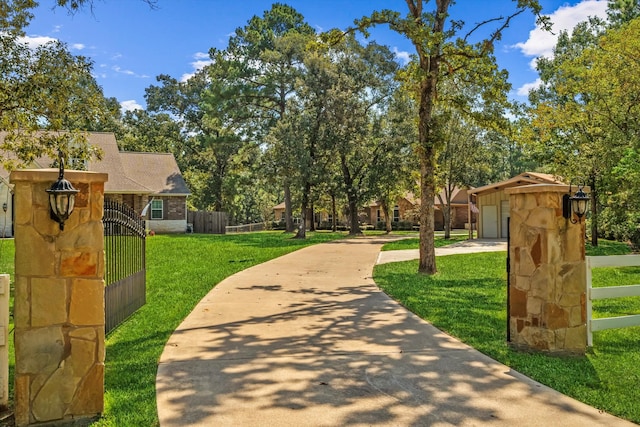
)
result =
(312, 223)
(302, 228)
(387, 218)
(447, 221)
(355, 224)
(334, 222)
(594, 211)
(430, 58)
(446, 210)
(288, 214)
(427, 263)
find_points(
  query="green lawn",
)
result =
(7, 253)
(413, 242)
(180, 271)
(467, 299)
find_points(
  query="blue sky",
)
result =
(130, 44)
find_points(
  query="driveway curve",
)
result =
(309, 340)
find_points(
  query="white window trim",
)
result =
(156, 209)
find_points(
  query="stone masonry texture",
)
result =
(59, 301)
(547, 291)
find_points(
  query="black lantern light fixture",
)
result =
(62, 197)
(575, 204)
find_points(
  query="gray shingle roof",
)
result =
(133, 172)
(130, 172)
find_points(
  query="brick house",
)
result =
(407, 208)
(150, 183)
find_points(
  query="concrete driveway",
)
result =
(309, 340)
(464, 247)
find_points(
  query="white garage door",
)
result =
(490, 222)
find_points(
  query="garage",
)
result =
(493, 203)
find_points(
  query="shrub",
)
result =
(395, 225)
(623, 226)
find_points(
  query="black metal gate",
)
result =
(125, 268)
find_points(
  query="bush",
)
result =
(623, 226)
(280, 225)
(395, 225)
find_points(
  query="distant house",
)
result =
(493, 204)
(404, 209)
(320, 218)
(150, 183)
(407, 208)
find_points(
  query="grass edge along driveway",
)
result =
(181, 270)
(467, 299)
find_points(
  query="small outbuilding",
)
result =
(493, 204)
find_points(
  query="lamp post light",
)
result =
(575, 204)
(62, 196)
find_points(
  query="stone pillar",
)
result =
(59, 301)
(547, 294)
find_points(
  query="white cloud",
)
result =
(541, 43)
(199, 65)
(186, 76)
(402, 55)
(565, 18)
(117, 69)
(36, 41)
(201, 60)
(77, 46)
(120, 70)
(130, 105)
(524, 89)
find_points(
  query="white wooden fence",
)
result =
(593, 294)
(4, 340)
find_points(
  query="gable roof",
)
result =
(131, 172)
(111, 163)
(157, 171)
(525, 178)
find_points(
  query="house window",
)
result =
(330, 218)
(378, 215)
(396, 213)
(156, 209)
(282, 217)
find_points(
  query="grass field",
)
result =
(180, 272)
(467, 299)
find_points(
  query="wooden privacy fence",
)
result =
(207, 222)
(593, 294)
(125, 269)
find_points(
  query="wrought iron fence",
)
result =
(125, 263)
